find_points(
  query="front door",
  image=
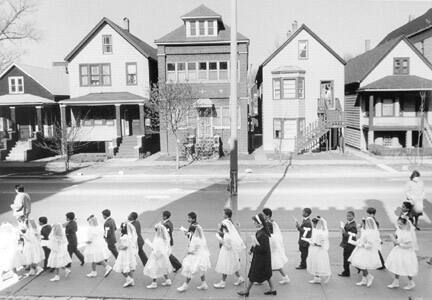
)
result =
(205, 128)
(25, 132)
(327, 93)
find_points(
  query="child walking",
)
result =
(402, 260)
(318, 262)
(158, 264)
(59, 257)
(197, 260)
(96, 252)
(32, 250)
(365, 255)
(128, 250)
(11, 258)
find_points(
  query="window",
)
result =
(193, 31)
(210, 28)
(16, 85)
(107, 47)
(387, 108)
(202, 71)
(213, 71)
(181, 72)
(303, 49)
(192, 71)
(95, 75)
(401, 66)
(131, 74)
(222, 117)
(284, 128)
(171, 72)
(201, 27)
(301, 88)
(289, 88)
(277, 128)
(223, 70)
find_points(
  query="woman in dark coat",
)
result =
(260, 268)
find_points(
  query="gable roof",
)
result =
(359, 67)
(411, 28)
(142, 47)
(201, 12)
(54, 80)
(316, 37)
(399, 83)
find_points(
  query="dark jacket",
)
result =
(349, 227)
(140, 240)
(260, 268)
(306, 225)
(110, 229)
(45, 232)
(170, 227)
(191, 229)
(71, 229)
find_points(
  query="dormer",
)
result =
(202, 22)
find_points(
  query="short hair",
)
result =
(268, 212)
(70, 216)
(371, 210)
(407, 204)
(43, 220)
(106, 213)
(166, 214)
(19, 188)
(307, 210)
(315, 220)
(192, 215)
(123, 228)
(134, 215)
(403, 220)
(351, 212)
(414, 174)
(228, 212)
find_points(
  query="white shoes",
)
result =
(315, 280)
(55, 278)
(67, 272)
(239, 281)
(220, 285)
(129, 282)
(394, 284)
(203, 286)
(39, 270)
(363, 281)
(92, 274)
(153, 285)
(30, 273)
(183, 287)
(369, 280)
(284, 280)
(410, 285)
(108, 270)
(166, 282)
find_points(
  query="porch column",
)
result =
(63, 126)
(408, 140)
(378, 107)
(3, 119)
(39, 119)
(142, 117)
(13, 124)
(118, 120)
(371, 116)
(397, 107)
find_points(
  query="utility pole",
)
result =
(233, 111)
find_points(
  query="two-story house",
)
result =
(300, 85)
(198, 52)
(110, 74)
(387, 95)
(28, 106)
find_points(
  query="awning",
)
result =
(398, 83)
(203, 103)
(287, 70)
(105, 99)
(23, 100)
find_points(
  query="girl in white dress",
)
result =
(197, 260)
(402, 260)
(128, 249)
(318, 262)
(11, 258)
(229, 255)
(32, 250)
(158, 264)
(96, 251)
(59, 257)
(365, 255)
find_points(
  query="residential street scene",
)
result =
(207, 149)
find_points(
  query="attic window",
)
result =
(303, 49)
(201, 28)
(401, 66)
(16, 85)
(107, 47)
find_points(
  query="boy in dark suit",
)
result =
(305, 231)
(45, 232)
(371, 211)
(110, 229)
(348, 228)
(170, 227)
(71, 229)
(133, 218)
(192, 220)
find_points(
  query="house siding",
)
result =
(353, 128)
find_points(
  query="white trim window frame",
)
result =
(283, 86)
(222, 125)
(303, 49)
(101, 77)
(107, 44)
(131, 74)
(171, 72)
(16, 84)
(198, 71)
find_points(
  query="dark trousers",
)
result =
(113, 249)
(73, 249)
(47, 251)
(304, 251)
(175, 262)
(381, 259)
(346, 254)
(142, 255)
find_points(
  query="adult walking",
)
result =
(110, 229)
(261, 266)
(415, 194)
(21, 206)
(133, 219)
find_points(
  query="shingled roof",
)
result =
(399, 83)
(144, 48)
(411, 28)
(201, 11)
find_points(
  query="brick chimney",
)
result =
(294, 26)
(126, 24)
(367, 45)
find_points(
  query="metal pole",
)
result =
(233, 109)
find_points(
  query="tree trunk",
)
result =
(177, 155)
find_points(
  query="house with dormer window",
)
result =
(110, 74)
(198, 52)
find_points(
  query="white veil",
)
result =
(132, 237)
(199, 234)
(412, 230)
(237, 242)
(322, 228)
(372, 232)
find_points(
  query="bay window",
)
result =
(288, 88)
(95, 74)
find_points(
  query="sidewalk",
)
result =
(77, 286)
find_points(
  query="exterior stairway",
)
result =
(19, 151)
(428, 134)
(127, 148)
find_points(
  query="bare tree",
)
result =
(15, 26)
(173, 102)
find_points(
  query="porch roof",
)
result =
(24, 99)
(105, 99)
(398, 83)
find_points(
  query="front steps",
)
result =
(127, 148)
(19, 151)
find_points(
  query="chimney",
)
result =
(367, 45)
(61, 65)
(294, 26)
(289, 33)
(410, 18)
(126, 24)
